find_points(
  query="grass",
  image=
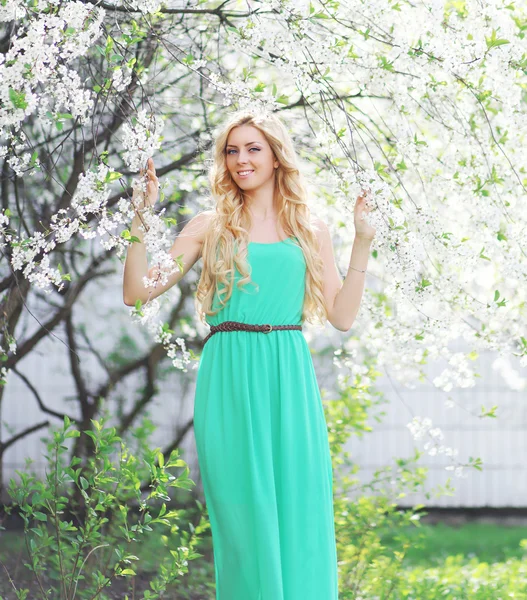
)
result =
(487, 542)
(459, 563)
(198, 584)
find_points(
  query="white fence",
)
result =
(501, 443)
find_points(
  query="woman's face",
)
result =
(249, 157)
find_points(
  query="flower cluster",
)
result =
(145, 6)
(141, 138)
(421, 428)
(34, 71)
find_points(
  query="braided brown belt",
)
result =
(237, 326)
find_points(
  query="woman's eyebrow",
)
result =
(247, 144)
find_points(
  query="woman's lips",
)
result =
(247, 174)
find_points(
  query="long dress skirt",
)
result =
(262, 442)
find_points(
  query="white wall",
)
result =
(501, 443)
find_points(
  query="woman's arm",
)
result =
(343, 299)
(347, 302)
(187, 246)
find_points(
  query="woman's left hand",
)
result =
(362, 228)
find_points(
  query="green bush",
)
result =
(376, 540)
(364, 512)
(84, 522)
(456, 579)
(88, 521)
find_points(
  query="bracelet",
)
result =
(360, 270)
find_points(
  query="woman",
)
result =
(259, 423)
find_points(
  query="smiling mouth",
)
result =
(245, 173)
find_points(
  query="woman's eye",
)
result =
(232, 150)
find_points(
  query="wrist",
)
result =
(356, 269)
(141, 210)
(363, 239)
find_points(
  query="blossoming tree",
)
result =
(422, 103)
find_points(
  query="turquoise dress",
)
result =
(262, 442)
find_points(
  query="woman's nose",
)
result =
(242, 158)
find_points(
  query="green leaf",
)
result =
(17, 98)
(493, 41)
(491, 412)
(112, 176)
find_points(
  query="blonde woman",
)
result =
(259, 423)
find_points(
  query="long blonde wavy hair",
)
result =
(227, 238)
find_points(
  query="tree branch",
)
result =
(72, 295)
(80, 384)
(5, 445)
(175, 444)
(39, 400)
(150, 360)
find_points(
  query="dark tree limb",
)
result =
(150, 361)
(5, 445)
(175, 444)
(180, 437)
(75, 366)
(218, 11)
(100, 359)
(39, 400)
(73, 293)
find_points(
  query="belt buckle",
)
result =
(268, 330)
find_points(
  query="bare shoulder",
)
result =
(319, 224)
(199, 225)
(207, 217)
(321, 230)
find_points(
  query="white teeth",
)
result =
(244, 172)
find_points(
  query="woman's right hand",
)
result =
(152, 187)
